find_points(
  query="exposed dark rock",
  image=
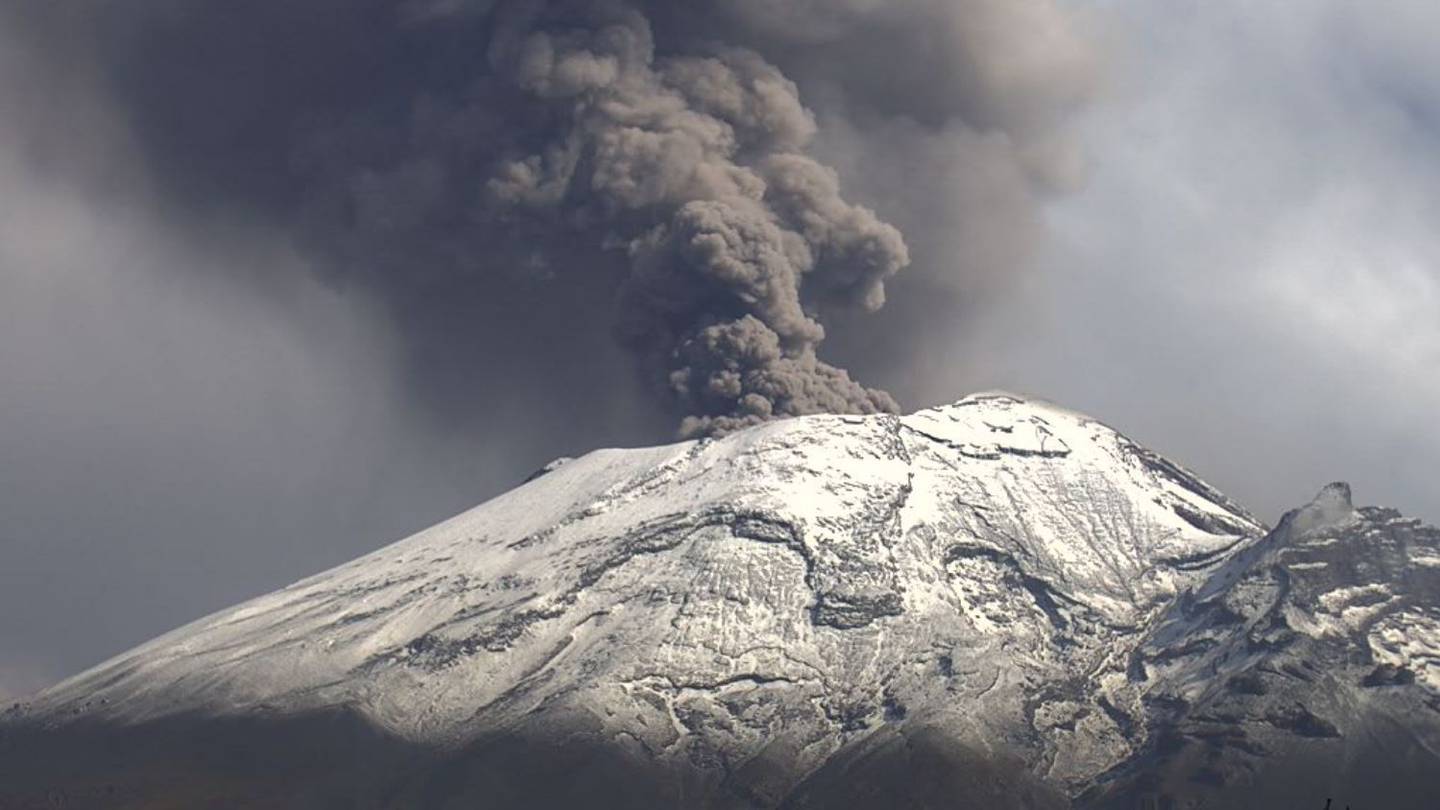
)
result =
(1389, 675)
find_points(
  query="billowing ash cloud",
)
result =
(653, 161)
(687, 168)
(693, 165)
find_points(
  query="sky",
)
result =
(1206, 224)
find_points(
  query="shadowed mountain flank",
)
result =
(338, 759)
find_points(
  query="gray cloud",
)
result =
(1249, 280)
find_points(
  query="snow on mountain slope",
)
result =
(766, 598)
(1309, 658)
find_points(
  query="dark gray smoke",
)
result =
(511, 175)
(582, 149)
(693, 166)
(627, 135)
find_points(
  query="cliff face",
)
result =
(997, 603)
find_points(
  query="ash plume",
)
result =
(644, 168)
(685, 170)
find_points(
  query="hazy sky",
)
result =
(196, 406)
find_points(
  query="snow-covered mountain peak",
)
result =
(1331, 508)
(756, 609)
(839, 570)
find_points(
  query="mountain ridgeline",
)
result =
(993, 604)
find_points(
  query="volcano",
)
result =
(998, 603)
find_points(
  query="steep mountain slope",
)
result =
(1307, 659)
(997, 603)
